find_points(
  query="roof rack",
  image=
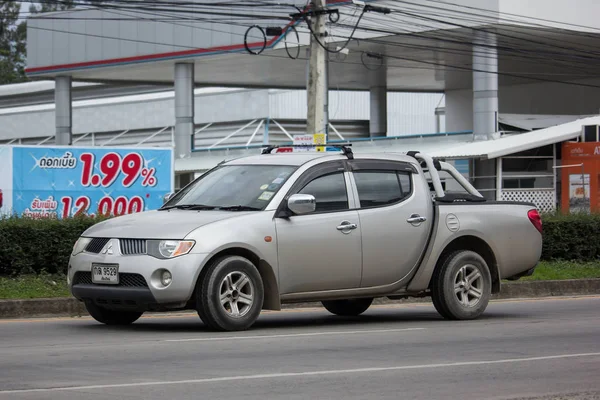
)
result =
(345, 148)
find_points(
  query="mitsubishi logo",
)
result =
(108, 249)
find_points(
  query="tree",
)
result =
(13, 35)
(50, 6)
(12, 43)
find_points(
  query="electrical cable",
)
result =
(462, 42)
(474, 28)
(297, 43)
(510, 14)
(339, 49)
(354, 29)
(372, 55)
(274, 56)
(246, 40)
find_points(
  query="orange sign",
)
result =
(575, 150)
(580, 184)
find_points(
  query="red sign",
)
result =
(581, 149)
(580, 184)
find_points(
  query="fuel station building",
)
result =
(519, 80)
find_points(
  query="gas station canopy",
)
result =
(425, 48)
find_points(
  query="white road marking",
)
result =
(300, 374)
(211, 339)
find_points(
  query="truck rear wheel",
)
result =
(347, 308)
(111, 317)
(230, 295)
(461, 286)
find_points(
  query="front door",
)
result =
(321, 250)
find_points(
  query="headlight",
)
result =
(80, 245)
(169, 248)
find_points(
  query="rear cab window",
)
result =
(377, 187)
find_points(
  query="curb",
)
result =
(70, 307)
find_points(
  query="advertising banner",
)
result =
(68, 181)
(5, 180)
(579, 193)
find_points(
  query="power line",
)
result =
(509, 14)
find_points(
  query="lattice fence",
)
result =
(543, 199)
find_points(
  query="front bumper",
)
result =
(139, 281)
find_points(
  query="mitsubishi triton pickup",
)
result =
(334, 227)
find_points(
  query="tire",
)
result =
(221, 280)
(348, 308)
(473, 289)
(112, 317)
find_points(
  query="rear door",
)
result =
(394, 210)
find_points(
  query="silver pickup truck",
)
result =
(335, 227)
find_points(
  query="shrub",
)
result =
(571, 237)
(30, 246)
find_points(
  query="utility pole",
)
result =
(318, 90)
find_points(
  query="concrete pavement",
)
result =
(518, 349)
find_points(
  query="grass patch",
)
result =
(55, 285)
(561, 270)
(33, 287)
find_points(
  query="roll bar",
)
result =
(434, 166)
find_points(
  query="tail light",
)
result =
(536, 219)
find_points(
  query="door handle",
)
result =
(416, 218)
(346, 226)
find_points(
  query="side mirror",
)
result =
(168, 197)
(302, 203)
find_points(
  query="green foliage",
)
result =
(33, 286)
(561, 270)
(571, 237)
(13, 36)
(50, 6)
(12, 43)
(31, 246)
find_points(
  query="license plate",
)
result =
(105, 273)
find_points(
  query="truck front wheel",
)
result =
(231, 294)
(461, 286)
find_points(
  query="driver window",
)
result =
(329, 191)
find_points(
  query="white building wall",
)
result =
(580, 15)
(459, 110)
(408, 113)
(412, 113)
(342, 104)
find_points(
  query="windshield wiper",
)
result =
(188, 207)
(239, 208)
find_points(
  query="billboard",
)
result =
(69, 181)
(5, 180)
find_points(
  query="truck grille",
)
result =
(96, 245)
(125, 279)
(133, 246)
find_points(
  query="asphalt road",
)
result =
(543, 349)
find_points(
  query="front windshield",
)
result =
(238, 187)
